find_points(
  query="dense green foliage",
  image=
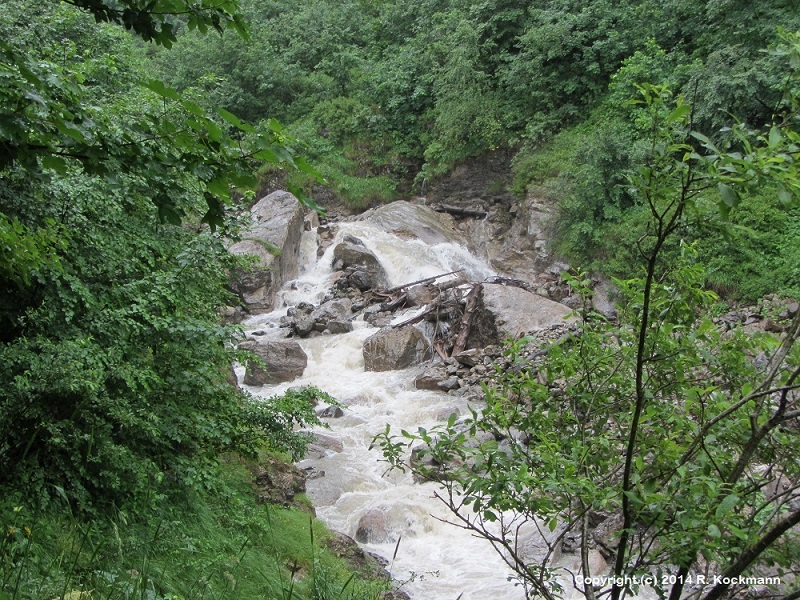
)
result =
(390, 93)
(115, 370)
(447, 79)
(683, 431)
(116, 393)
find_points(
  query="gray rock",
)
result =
(360, 561)
(278, 482)
(419, 295)
(378, 318)
(323, 445)
(285, 361)
(606, 535)
(330, 412)
(601, 298)
(361, 280)
(340, 326)
(469, 357)
(451, 383)
(303, 319)
(273, 237)
(338, 310)
(231, 314)
(391, 349)
(373, 527)
(430, 380)
(535, 541)
(509, 312)
(408, 220)
(352, 253)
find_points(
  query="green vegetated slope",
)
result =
(388, 94)
(116, 405)
(123, 442)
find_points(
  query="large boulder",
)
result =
(391, 349)
(337, 311)
(508, 312)
(302, 319)
(352, 254)
(535, 541)
(407, 220)
(273, 238)
(285, 361)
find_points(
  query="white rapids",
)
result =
(434, 560)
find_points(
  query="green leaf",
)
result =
(304, 166)
(785, 197)
(58, 164)
(169, 213)
(703, 139)
(244, 181)
(714, 531)
(680, 112)
(236, 121)
(775, 136)
(161, 89)
(729, 196)
(193, 108)
(305, 199)
(726, 505)
(219, 187)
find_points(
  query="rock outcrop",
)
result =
(365, 270)
(273, 239)
(508, 312)
(407, 220)
(285, 361)
(391, 349)
(333, 316)
(278, 482)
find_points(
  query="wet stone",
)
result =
(331, 412)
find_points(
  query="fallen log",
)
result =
(397, 288)
(428, 310)
(447, 285)
(466, 319)
(440, 349)
(395, 303)
(512, 282)
(460, 212)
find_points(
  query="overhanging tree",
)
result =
(115, 372)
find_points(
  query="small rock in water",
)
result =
(340, 326)
(331, 412)
(373, 527)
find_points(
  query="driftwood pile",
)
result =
(451, 305)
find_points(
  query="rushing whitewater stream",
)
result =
(433, 560)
